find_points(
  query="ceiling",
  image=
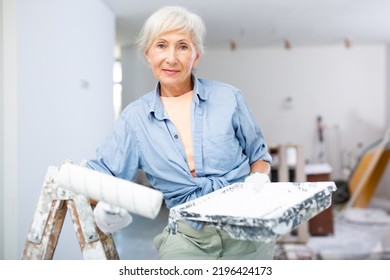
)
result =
(269, 23)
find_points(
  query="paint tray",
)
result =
(262, 215)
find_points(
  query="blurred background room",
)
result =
(316, 74)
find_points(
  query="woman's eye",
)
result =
(183, 47)
(160, 45)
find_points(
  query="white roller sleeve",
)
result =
(133, 197)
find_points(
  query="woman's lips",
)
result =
(170, 71)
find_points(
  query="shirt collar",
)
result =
(156, 106)
(199, 92)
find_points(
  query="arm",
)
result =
(114, 158)
(260, 166)
(259, 174)
(251, 137)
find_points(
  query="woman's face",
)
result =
(172, 57)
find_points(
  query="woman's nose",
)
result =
(171, 57)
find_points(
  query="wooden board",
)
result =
(368, 172)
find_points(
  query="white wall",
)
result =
(9, 130)
(1, 134)
(137, 76)
(61, 46)
(388, 87)
(383, 190)
(346, 87)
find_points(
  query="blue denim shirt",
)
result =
(226, 140)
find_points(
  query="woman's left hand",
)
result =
(257, 180)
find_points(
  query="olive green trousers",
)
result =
(208, 244)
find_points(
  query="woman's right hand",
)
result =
(111, 219)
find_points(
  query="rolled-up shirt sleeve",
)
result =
(118, 155)
(249, 133)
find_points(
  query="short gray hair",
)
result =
(171, 18)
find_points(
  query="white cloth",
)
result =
(111, 219)
(257, 181)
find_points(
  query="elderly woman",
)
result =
(190, 136)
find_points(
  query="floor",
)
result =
(135, 242)
(358, 234)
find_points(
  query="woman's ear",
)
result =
(147, 56)
(196, 60)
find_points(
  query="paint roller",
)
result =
(133, 197)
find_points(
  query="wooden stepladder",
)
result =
(53, 205)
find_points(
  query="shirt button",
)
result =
(176, 136)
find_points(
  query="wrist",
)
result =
(257, 176)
